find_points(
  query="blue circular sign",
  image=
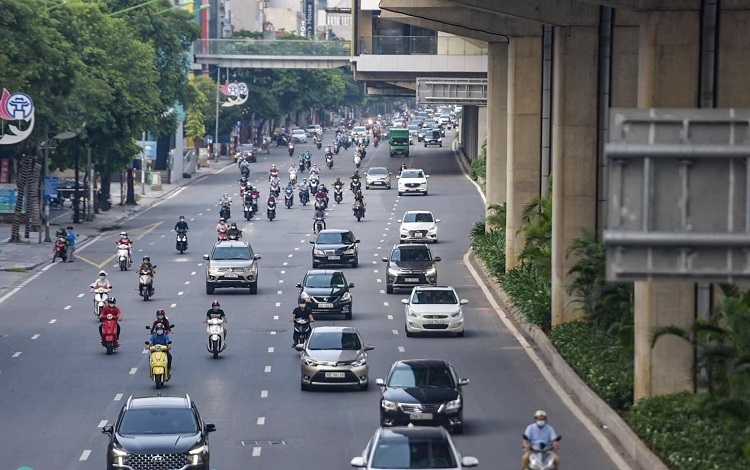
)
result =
(20, 106)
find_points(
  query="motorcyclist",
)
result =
(402, 168)
(540, 432)
(292, 173)
(124, 240)
(338, 184)
(328, 150)
(161, 337)
(304, 185)
(111, 308)
(248, 196)
(101, 282)
(234, 232)
(314, 170)
(359, 198)
(271, 198)
(222, 226)
(181, 225)
(320, 213)
(216, 312)
(273, 172)
(303, 310)
(245, 167)
(225, 200)
(146, 266)
(161, 317)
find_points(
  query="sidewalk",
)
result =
(30, 254)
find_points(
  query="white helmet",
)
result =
(102, 273)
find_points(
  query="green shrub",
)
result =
(490, 248)
(691, 432)
(530, 294)
(598, 359)
(478, 166)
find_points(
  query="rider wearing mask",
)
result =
(360, 198)
(314, 170)
(111, 308)
(234, 232)
(160, 337)
(101, 282)
(146, 266)
(540, 432)
(302, 310)
(338, 183)
(181, 225)
(273, 172)
(216, 312)
(161, 318)
(124, 240)
(222, 226)
(304, 185)
(225, 200)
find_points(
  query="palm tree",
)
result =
(537, 231)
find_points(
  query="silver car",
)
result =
(232, 263)
(378, 176)
(334, 356)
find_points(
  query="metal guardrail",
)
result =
(424, 45)
(262, 47)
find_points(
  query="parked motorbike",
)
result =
(329, 161)
(540, 458)
(288, 198)
(302, 330)
(225, 212)
(181, 242)
(101, 295)
(338, 193)
(271, 210)
(146, 283)
(359, 210)
(290, 147)
(60, 250)
(122, 257)
(215, 342)
(109, 333)
(158, 364)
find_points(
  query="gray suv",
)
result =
(232, 263)
(410, 265)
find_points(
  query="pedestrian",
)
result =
(71, 237)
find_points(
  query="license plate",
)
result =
(412, 279)
(334, 257)
(419, 234)
(434, 322)
(420, 416)
(335, 375)
(325, 305)
(232, 275)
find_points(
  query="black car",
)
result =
(154, 433)
(410, 265)
(433, 137)
(334, 247)
(422, 392)
(246, 151)
(327, 292)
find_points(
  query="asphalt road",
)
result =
(58, 387)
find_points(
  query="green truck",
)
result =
(398, 142)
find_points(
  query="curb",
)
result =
(607, 418)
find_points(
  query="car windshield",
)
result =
(358, 129)
(158, 421)
(325, 280)
(411, 254)
(418, 217)
(441, 297)
(418, 375)
(412, 174)
(335, 238)
(413, 127)
(245, 148)
(232, 252)
(404, 452)
(298, 131)
(378, 171)
(334, 340)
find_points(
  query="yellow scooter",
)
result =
(159, 372)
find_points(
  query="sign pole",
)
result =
(216, 129)
(143, 164)
(45, 202)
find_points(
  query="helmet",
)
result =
(243, 180)
(221, 220)
(102, 273)
(112, 300)
(540, 414)
(234, 225)
(338, 178)
(182, 217)
(226, 196)
(160, 312)
(304, 180)
(273, 165)
(359, 192)
(215, 303)
(159, 327)
(146, 258)
(124, 234)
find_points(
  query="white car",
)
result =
(433, 309)
(359, 131)
(418, 226)
(299, 135)
(412, 181)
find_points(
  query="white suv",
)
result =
(412, 181)
(418, 226)
(433, 309)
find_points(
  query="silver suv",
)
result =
(232, 263)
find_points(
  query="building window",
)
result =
(338, 20)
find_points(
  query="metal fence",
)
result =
(426, 45)
(261, 47)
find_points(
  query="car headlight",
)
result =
(350, 251)
(318, 252)
(388, 405)
(456, 314)
(411, 313)
(392, 272)
(197, 450)
(431, 271)
(119, 452)
(432, 229)
(309, 361)
(453, 405)
(346, 297)
(250, 269)
(360, 361)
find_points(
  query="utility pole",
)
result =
(143, 164)
(76, 202)
(216, 129)
(90, 204)
(45, 170)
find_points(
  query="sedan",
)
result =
(334, 356)
(334, 246)
(378, 176)
(432, 310)
(422, 392)
(412, 182)
(418, 226)
(299, 136)
(412, 447)
(328, 292)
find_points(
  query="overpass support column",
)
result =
(524, 136)
(574, 153)
(469, 134)
(668, 76)
(497, 118)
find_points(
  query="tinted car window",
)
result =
(406, 376)
(442, 297)
(412, 174)
(335, 238)
(418, 217)
(413, 452)
(345, 341)
(378, 171)
(245, 147)
(325, 280)
(158, 421)
(232, 252)
(410, 254)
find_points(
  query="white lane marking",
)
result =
(187, 282)
(133, 370)
(281, 281)
(374, 270)
(193, 273)
(161, 237)
(256, 451)
(118, 397)
(375, 254)
(302, 241)
(395, 332)
(278, 292)
(374, 262)
(180, 293)
(264, 393)
(149, 244)
(296, 248)
(390, 218)
(102, 423)
(16, 354)
(145, 351)
(172, 305)
(261, 421)
(401, 349)
(290, 255)
(270, 349)
(275, 317)
(267, 369)
(379, 248)
(387, 228)
(382, 291)
(285, 263)
(52, 321)
(386, 303)
(200, 264)
(378, 279)
(67, 307)
(278, 304)
(35, 336)
(389, 223)
(273, 332)
(381, 241)
(85, 455)
(390, 317)
(192, 219)
(385, 235)
(283, 272)
(80, 295)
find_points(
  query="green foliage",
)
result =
(598, 360)
(530, 294)
(693, 432)
(537, 231)
(478, 168)
(488, 240)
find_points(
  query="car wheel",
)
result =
(458, 429)
(355, 263)
(254, 288)
(304, 387)
(367, 187)
(425, 193)
(460, 334)
(389, 289)
(400, 193)
(348, 315)
(388, 187)
(364, 386)
(209, 288)
(409, 334)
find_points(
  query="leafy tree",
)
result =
(537, 231)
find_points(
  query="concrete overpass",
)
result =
(555, 68)
(272, 54)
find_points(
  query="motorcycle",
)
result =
(234, 236)
(275, 189)
(375, 142)
(320, 204)
(101, 295)
(355, 185)
(256, 195)
(271, 210)
(304, 196)
(336, 148)
(288, 198)
(318, 142)
(291, 149)
(301, 166)
(264, 146)
(215, 342)
(245, 171)
(293, 178)
(158, 363)
(248, 210)
(540, 458)
(181, 243)
(109, 333)
(146, 283)
(359, 210)
(273, 174)
(222, 236)
(357, 160)
(338, 194)
(225, 212)
(301, 330)
(122, 257)
(329, 161)
(319, 224)
(60, 250)
(314, 185)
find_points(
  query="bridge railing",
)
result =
(262, 47)
(422, 45)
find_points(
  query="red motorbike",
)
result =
(222, 236)
(60, 250)
(375, 141)
(109, 333)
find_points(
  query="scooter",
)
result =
(271, 211)
(314, 185)
(356, 185)
(301, 166)
(359, 210)
(122, 257)
(375, 142)
(181, 243)
(301, 331)
(318, 224)
(291, 149)
(318, 143)
(215, 342)
(101, 295)
(60, 250)
(304, 196)
(293, 178)
(338, 194)
(248, 211)
(336, 148)
(225, 212)
(329, 161)
(275, 189)
(540, 458)
(288, 198)
(357, 160)
(146, 283)
(109, 334)
(158, 364)
(222, 236)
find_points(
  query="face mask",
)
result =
(159, 332)
(302, 306)
(540, 423)
(102, 277)
(159, 317)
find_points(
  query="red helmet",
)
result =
(215, 303)
(160, 312)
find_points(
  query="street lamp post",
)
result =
(143, 164)
(45, 169)
(216, 129)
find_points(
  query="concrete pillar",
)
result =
(469, 125)
(668, 75)
(497, 118)
(481, 128)
(574, 153)
(734, 56)
(524, 136)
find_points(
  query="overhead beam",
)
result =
(457, 30)
(551, 12)
(650, 5)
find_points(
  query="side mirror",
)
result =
(205, 257)
(312, 241)
(369, 347)
(469, 461)
(405, 301)
(463, 382)
(209, 427)
(358, 462)
(298, 285)
(437, 258)
(385, 260)
(256, 257)
(299, 347)
(437, 221)
(147, 342)
(398, 220)
(107, 430)
(356, 241)
(351, 284)
(169, 342)
(426, 176)
(464, 302)
(380, 382)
